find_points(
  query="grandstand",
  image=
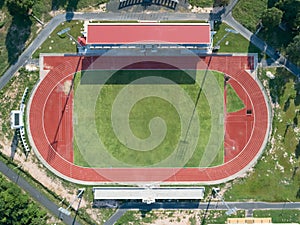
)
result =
(146, 35)
(17, 121)
(148, 195)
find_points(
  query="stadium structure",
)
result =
(51, 117)
(146, 35)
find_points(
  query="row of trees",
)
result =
(19, 7)
(286, 12)
(17, 208)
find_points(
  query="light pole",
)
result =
(230, 211)
(228, 31)
(66, 211)
(66, 31)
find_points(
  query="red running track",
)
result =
(238, 125)
(56, 85)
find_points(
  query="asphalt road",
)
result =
(200, 205)
(116, 216)
(34, 193)
(213, 205)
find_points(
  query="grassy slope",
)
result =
(236, 42)
(248, 12)
(56, 44)
(279, 216)
(276, 177)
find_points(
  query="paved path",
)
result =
(262, 45)
(213, 205)
(116, 216)
(34, 193)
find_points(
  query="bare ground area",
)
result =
(40, 173)
(178, 218)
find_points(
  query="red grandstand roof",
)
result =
(179, 33)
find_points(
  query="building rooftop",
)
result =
(148, 194)
(126, 33)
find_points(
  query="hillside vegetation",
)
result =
(278, 23)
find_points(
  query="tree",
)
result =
(20, 7)
(221, 2)
(291, 12)
(271, 17)
(16, 207)
(293, 50)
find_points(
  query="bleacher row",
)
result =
(233, 66)
(23, 140)
(22, 129)
(167, 3)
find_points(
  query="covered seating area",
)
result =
(166, 3)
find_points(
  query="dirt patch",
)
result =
(98, 8)
(196, 9)
(31, 67)
(182, 217)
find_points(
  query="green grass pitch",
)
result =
(146, 109)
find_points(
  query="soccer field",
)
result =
(145, 113)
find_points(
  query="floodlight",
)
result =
(64, 31)
(231, 31)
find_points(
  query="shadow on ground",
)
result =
(147, 5)
(297, 151)
(136, 72)
(14, 144)
(17, 35)
(69, 5)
